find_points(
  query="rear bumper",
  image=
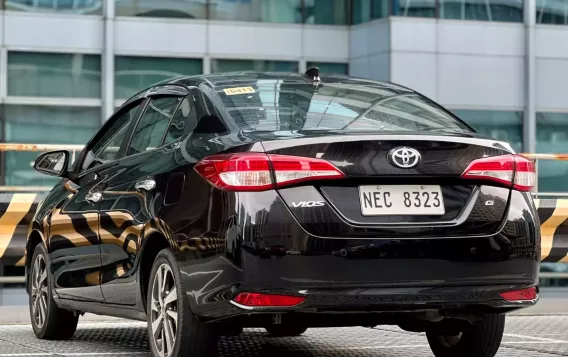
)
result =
(273, 254)
(335, 285)
(369, 307)
(399, 299)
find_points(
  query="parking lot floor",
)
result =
(538, 336)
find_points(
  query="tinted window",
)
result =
(36, 74)
(238, 65)
(282, 11)
(273, 105)
(153, 124)
(107, 148)
(133, 74)
(184, 116)
(498, 124)
(325, 12)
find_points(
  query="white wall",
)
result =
(551, 68)
(150, 36)
(52, 32)
(461, 64)
(369, 50)
(1, 28)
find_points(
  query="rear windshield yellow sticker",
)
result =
(238, 90)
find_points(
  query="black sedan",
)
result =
(213, 203)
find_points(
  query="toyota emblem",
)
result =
(404, 157)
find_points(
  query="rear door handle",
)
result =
(145, 185)
(93, 197)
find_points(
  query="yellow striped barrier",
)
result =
(18, 205)
(17, 211)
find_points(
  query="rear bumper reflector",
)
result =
(527, 294)
(266, 300)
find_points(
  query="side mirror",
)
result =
(53, 163)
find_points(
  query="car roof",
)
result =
(220, 81)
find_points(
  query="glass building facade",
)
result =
(133, 73)
(322, 12)
(328, 12)
(319, 12)
(56, 96)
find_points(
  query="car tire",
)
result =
(285, 331)
(479, 340)
(49, 322)
(166, 302)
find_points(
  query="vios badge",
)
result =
(404, 157)
(304, 204)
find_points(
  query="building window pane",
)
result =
(552, 12)
(282, 11)
(414, 8)
(330, 68)
(326, 12)
(474, 10)
(379, 9)
(367, 10)
(230, 65)
(360, 11)
(44, 125)
(54, 75)
(83, 7)
(500, 125)
(552, 137)
(185, 9)
(133, 74)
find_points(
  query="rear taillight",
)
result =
(525, 174)
(259, 171)
(250, 172)
(508, 170)
(527, 294)
(267, 300)
(293, 169)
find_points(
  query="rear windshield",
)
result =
(272, 105)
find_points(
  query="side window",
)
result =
(183, 117)
(109, 145)
(153, 124)
(210, 122)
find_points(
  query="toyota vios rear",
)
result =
(433, 233)
(214, 203)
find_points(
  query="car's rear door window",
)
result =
(185, 116)
(152, 125)
(108, 147)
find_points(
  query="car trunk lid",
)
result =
(380, 196)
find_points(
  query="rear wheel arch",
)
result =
(152, 246)
(34, 239)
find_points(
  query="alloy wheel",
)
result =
(164, 314)
(39, 291)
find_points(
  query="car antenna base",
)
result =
(313, 75)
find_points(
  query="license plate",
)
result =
(401, 200)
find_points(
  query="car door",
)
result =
(131, 197)
(74, 238)
(74, 242)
